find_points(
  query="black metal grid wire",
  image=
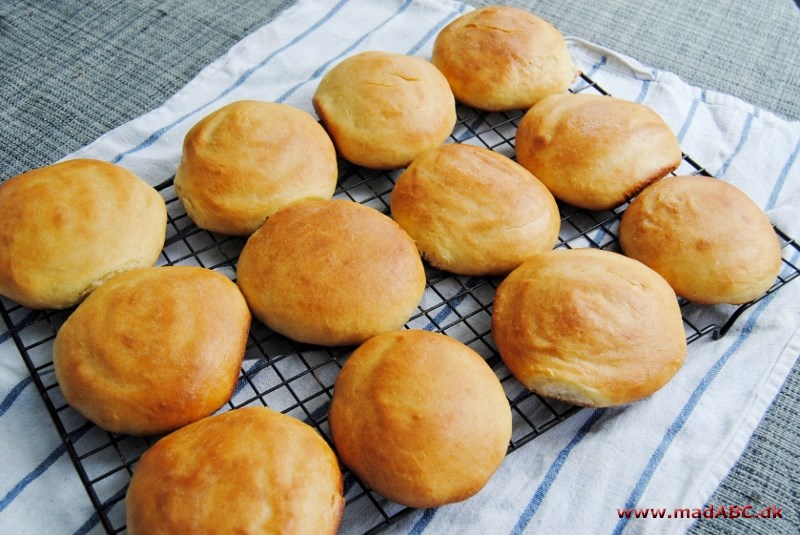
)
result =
(297, 379)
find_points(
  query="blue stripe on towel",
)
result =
(742, 140)
(89, 524)
(155, 136)
(423, 522)
(435, 30)
(36, 472)
(316, 74)
(592, 71)
(243, 378)
(95, 518)
(14, 394)
(450, 306)
(28, 479)
(597, 66)
(683, 416)
(30, 318)
(643, 92)
(773, 198)
(552, 473)
(690, 116)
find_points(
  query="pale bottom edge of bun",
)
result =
(573, 394)
(580, 395)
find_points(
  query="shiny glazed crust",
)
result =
(503, 58)
(384, 109)
(593, 151)
(331, 272)
(420, 417)
(472, 211)
(705, 237)
(153, 349)
(67, 227)
(247, 471)
(247, 160)
(590, 327)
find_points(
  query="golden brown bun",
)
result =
(590, 327)
(331, 273)
(705, 237)
(503, 58)
(247, 471)
(473, 211)
(245, 161)
(67, 227)
(153, 349)
(595, 152)
(420, 418)
(384, 109)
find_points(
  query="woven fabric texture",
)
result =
(72, 70)
(746, 49)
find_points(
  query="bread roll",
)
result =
(589, 327)
(247, 160)
(705, 237)
(384, 109)
(420, 418)
(503, 58)
(153, 349)
(331, 273)
(473, 211)
(67, 227)
(593, 151)
(249, 470)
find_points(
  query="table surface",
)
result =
(73, 70)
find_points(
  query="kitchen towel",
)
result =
(669, 451)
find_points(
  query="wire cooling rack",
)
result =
(298, 379)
